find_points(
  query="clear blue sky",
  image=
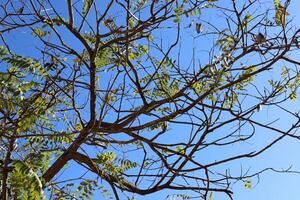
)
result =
(271, 186)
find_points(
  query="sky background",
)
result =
(277, 186)
(285, 154)
(270, 186)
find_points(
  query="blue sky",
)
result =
(285, 154)
(273, 186)
(276, 186)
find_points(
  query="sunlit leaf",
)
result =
(87, 5)
(248, 184)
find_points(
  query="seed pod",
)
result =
(198, 27)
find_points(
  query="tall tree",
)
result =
(133, 97)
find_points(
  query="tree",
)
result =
(134, 96)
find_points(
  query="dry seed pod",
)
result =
(198, 27)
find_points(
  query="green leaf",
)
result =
(293, 96)
(177, 19)
(29, 177)
(248, 184)
(27, 86)
(78, 127)
(210, 196)
(150, 38)
(131, 23)
(131, 56)
(3, 51)
(280, 15)
(58, 21)
(248, 17)
(197, 87)
(144, 49)
(87, 5)
(180, 149)
(276, 3)
(278, 18)
(230, 39)
(38, 32)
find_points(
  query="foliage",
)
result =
(141, 96)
